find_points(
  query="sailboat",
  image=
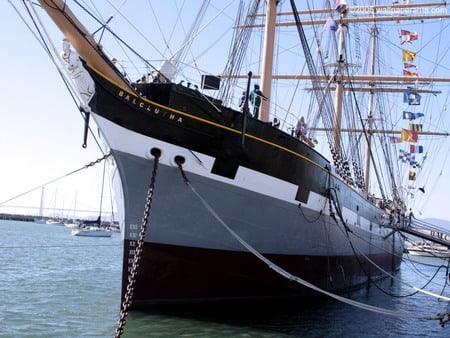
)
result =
(94, 228)
(91, 229)
(227, 201)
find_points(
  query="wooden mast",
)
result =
(267, 62)
(370, 111)
(341, 61)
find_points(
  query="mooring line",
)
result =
(355, 248)
(442, 317)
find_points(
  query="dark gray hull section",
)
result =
(189, 255)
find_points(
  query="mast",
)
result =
(41, 205)
(370, 111)
(339, 86)
(267, 63)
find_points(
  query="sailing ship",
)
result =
(238, 204)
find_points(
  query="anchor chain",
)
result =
(128, 297)
(97, 161)
(179, 162)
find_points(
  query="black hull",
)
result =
(185, 258)
(192, 123)
(176, 275)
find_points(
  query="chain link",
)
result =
(97, 161)
(179, 163)
(128, 297)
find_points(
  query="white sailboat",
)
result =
(94, 228)
(91, 231)
(55, 221)
(427, 249)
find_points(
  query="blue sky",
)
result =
(41, 132)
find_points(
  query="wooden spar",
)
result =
(379, 89)
(346, 21)
(267, 63)
(86, 46)
(392, 79)
(378, 131)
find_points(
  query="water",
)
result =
(53, 284)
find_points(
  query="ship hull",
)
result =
(265, 190)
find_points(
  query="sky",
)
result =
(41, 135)
(41, 131)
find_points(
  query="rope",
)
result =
(306, 218)
(354, 249)
(440, 316)
(128, 297)
(43, 39)
(417, 289)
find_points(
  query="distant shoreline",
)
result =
(15, 217)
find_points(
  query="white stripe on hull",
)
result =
(260, 208)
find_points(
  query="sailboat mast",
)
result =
(41, 206)
(268, 51)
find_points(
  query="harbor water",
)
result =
(53, 284)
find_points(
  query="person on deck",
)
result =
(255, 98)
(276, 123)
(409, 215)
(242, 100)
(301, 130)
(143, 79)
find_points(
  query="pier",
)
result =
(15, 217)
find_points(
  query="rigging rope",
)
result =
(354, 249)
(132, 50)
(40, 35)
(241, 39)
(323, 98)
